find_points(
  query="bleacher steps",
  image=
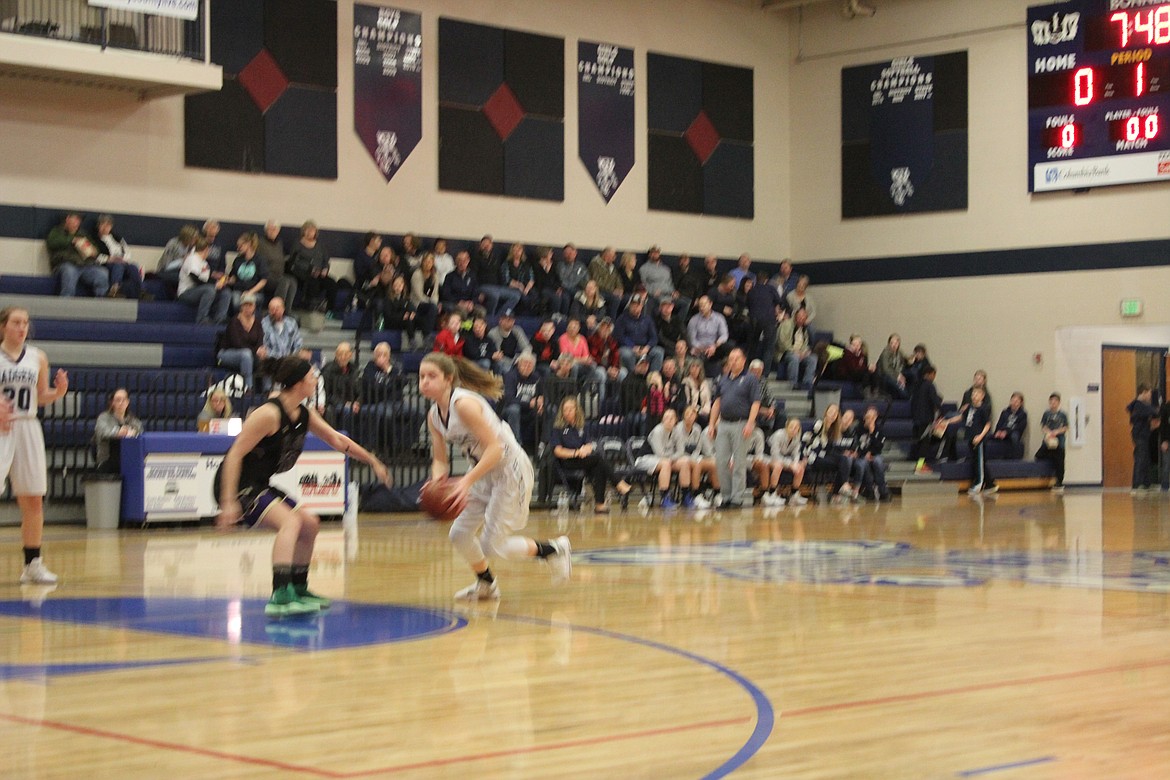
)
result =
(57, 308)
(72, 353)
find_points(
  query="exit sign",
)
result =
(1131, 307)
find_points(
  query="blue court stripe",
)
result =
(1003, 767)
(765, 714)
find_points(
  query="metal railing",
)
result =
(78, 22)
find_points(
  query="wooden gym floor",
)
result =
(1026, 636)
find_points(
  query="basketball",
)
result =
(435, 500)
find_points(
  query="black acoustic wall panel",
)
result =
(701, 121)
(277, 111)
(501, 111)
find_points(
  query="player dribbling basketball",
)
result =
(498, 488)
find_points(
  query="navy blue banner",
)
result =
(904, 136)
(387, 84)
(605, 113)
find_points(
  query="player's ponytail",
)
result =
(463, 373)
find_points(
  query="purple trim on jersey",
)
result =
(261, 504)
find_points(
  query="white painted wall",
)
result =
(100, 151)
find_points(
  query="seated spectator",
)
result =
(786, 450)
(848, 447)
(114, 254)
(723, 298)
(739, 324)
(697, 449)
(658, 279)
(852, 366)
(460, 286)
(477, 347)
(671, 384)
(389, 420)
(73, 258)
(637, 336)
(630, 281)
(696, 392)
(870, 444)
(282, 336)
(799, 299)
(743, 270)
(822, 451)
(546, 347)
(248, 275)
(759, 464)
(341, 387)
(319, 398)
(603, 347)
(270, 250)
(633, 393)
(603, 271)
(573, 275)
(516, 274)
(708, 275)
(449, 340)
(308, 263)
(523, 401)
(494, 292)
(916, 366)
(400, 313)
(215, 256)
(889, 371)
(242, 344)
(766, 418)
(654, 404)
(1012, 427)
(785, 282)
(444, 263)
(682, 356)
(173, 255)
(508, 341)
(117, 422)
(589, 306)
(412, 251)
(217, 407)
(210, 299)
(573, 344)
(794, 350)
(708, 337)
(571, 449)
(666, 458)
(671, 328)
(425, 286)
(553, 301)
(380, 379)
(688, 281)
(365, 260)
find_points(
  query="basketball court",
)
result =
(1024, 636)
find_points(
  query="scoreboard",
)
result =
(1098, 93)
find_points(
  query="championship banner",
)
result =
(387, 83)
(605, 113)
(182, 9)
(904, 136)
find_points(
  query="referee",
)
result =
(733, 418)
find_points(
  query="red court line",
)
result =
(91, 732)
(990, 686)
(551, 746)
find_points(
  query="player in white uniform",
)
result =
(496, 492)
(24, 383)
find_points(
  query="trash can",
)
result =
(103, 501)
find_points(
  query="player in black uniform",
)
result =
(977, 424)
(270, 443)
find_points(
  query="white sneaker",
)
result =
(479, 590)
(717, 500)
(702, 503)
(991, 490)
(35, 573)
(975, 491)
(771, 499)
(796, 499)
(562, 562)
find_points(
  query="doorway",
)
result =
(1122, 370)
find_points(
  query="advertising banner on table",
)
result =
(387, 84)
(182, 9)
(180, 486)
(605, 113)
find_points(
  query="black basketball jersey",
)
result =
(273, 454)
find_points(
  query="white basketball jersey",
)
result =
(457, 434)
(18, 381)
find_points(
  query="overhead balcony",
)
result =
(110, 44)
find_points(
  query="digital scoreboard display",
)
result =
(1098, 93)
